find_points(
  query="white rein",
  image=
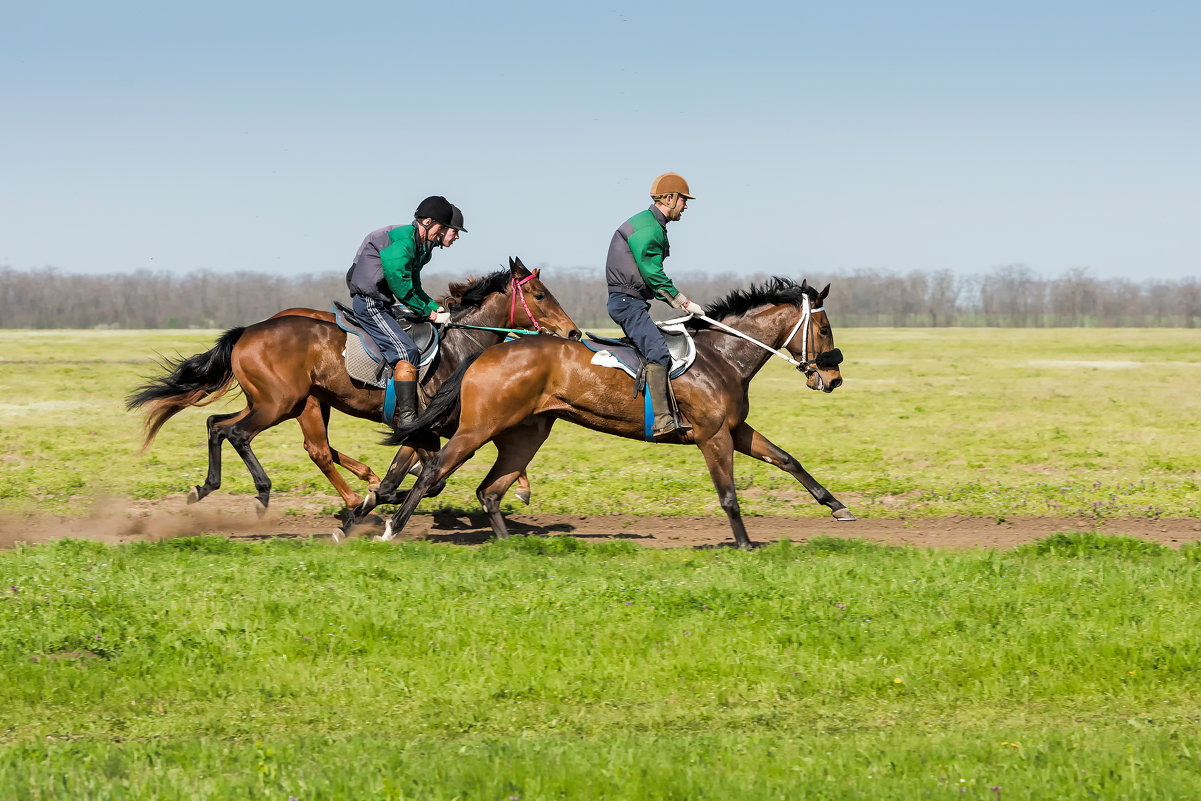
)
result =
(802, 325)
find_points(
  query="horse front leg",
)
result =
(314, 426)
(719, 456)
(386, 492)
(749, 441)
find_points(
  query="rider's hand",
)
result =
(695, 309)
(440, 316)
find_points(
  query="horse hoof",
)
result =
(337, 536)
(193, 495)
(415, 470)
(843, 515)
(523, 496)
(387, 535)
(260, 508)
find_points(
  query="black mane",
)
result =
(472, 294)
(773, 291)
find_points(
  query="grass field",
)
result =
(545, 668)
(542, 668)
(930, 422)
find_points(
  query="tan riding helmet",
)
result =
(669, 183)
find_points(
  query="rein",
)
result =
(499, 330)
(807, 313)
(538, 327)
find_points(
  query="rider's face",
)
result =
(674, 212)
(433, 230)
(449, 237)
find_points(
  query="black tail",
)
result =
(442, 408)
(192, 381)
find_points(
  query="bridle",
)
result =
(830, 358)
(517, 293)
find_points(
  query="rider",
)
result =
(386, 272)
(634, 271)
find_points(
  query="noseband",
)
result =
(517, 293)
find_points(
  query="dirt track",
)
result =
(117, 521)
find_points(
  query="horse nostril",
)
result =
(574, 334)
(835, 383)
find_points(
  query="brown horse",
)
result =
(512, 394)
(291, 366)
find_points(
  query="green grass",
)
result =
(549, 668)
(934, 422)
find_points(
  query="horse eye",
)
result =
(825, 329)
(539, 296)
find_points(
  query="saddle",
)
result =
(365, 363)
(622, 355)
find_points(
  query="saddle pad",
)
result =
(624, 357)
(361, 366)
(364, 362)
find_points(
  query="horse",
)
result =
(291, 366)
(512, 394)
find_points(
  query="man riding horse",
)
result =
(387, 272)
(634, 272)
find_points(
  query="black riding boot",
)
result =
(404, 380)
(664, 424)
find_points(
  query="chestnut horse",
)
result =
(291, 366)
(512, 394)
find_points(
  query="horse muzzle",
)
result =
(826, 361)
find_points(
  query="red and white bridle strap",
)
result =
(517, 293)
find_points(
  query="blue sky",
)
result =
(818, 138)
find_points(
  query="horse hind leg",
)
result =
(239, 437)
(218, 430)
(523, 488)
(240, 433)
(515, 448)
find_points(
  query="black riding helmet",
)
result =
(437, 208)
(456, 219)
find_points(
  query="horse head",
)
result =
(811, 342)
(534, 306)
(512, 298)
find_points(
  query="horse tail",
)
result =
(193, 381)
(442, 408)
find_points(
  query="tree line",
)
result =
(1007, 296)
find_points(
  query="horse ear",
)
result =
(804, 284)
(822, 295)
(517, 267)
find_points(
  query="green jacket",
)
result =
(402, 262)
(388, 266)
(635, 262)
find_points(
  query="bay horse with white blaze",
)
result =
(512, 394)
(291, 366)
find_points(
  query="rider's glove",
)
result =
(680, 301)
(440, 316)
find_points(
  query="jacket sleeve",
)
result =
(402, 271)
(647, 246)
